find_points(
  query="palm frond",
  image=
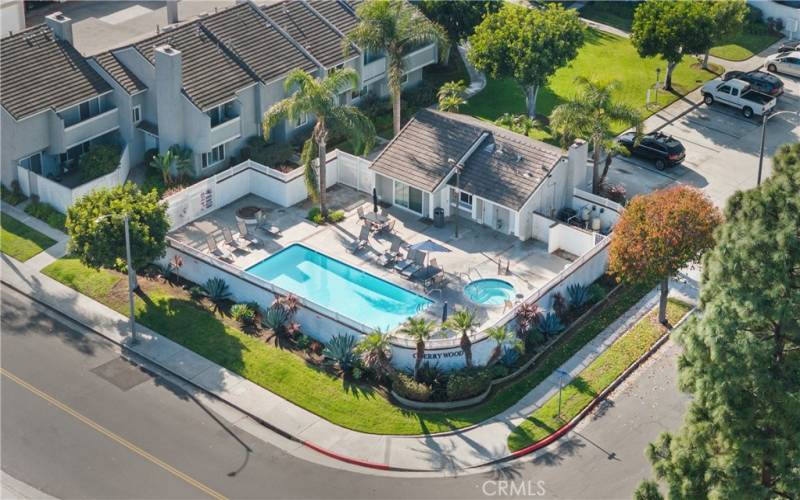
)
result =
(274, 115)
(357, 125)
(340, 80)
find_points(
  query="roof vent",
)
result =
(489, 148)
(519, 158)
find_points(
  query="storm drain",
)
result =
(122, 373)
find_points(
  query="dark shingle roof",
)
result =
(121, 74)
(211, 75)
(506, 168)
(40, 72)
(336, 13)
(305, 27)
(258, 44)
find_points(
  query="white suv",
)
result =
(787, 62)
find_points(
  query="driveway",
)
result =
(721, 147)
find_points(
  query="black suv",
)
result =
(759, 81)
(664, 150)
(789, 46)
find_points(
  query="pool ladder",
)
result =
(468, 274)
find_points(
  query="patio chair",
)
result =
(264, 225)
(415, 267)
(360, 212)
(213, 249)
(384, 212)
(400, 265)
(245, 234)
(389, 256)
(388, 227)
(361, 242)
(227, 235)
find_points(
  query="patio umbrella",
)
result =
(444, 312)
(375, 200)
(429, 246)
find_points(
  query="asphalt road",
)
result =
(78, 421)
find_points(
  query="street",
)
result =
(78, 421)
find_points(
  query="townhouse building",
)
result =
(204, 85)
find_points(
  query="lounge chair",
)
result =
(264, 225)
(213, 249)
(415, 267)
(227, 235)
(389, 256)
(362, 241)
(245, 234)
(402, 264)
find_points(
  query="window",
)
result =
(301, 121)
(408, 197)
(725, 89)
(356, 93)
(216, 155)
(404, 79)
(33, 163)
(734, 92)
(136, 114)
(342, 99)
(222, 113)
(89, 108)
(465, 201)
(336, 68)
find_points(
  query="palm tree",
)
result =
(320, 98)
(395, 28)
(375, 352)
(503, 336)
(594, 114)
(419, 330)
(451, 96)
(163, 163)
(463, 321)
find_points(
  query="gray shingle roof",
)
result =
(121, 74)
(211, 75)
(306, 27)
(336, 13)
(257, 43)
(40, 72)
(506, 168)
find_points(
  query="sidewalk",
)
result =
(443, 452)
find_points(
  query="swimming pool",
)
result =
(339, 287)
(489, 292)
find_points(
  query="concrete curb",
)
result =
(561, 431)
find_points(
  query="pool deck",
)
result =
(478, 252)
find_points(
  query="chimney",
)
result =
(168, 71)
(172, 11)
(61, 26)
(579, 171)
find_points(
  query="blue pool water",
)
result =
(339, 287)
(489, 292)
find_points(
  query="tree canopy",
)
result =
(458, 17)
(661, 232)
(526, 44)
(741, 356)
(96, 228)
(672, 29)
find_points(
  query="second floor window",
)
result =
(89, 109)
(300, 121)
(222, 113)
(136, 114)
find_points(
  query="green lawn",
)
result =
(356, 407)
(20, 241)
(616, 14)
(605, 57)
(744, 45)
(594, 378)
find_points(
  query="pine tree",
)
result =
(741, 357)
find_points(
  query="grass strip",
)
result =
(20, 241)
(357, 407)
(594, 378)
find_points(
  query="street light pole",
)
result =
(764, 119)
(131, 275)
(561, 374)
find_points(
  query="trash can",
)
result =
(438, 217)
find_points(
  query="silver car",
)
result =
(787, 62)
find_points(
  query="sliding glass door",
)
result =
(408, 197)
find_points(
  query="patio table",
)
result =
(376, 218)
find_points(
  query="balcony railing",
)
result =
(373, 70)
(90, 128)
(421, 57)
(226, 131)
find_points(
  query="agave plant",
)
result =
(276, 318)
(578, 295)
(550, 325)
(503, 337)
(216, 290)
(243, 314)
(342, 350)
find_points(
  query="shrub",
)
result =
(615, 193)
(754, 17)
(243, 314)
(12, 196)
(149, 155)
(468, 383)
(431, 374)
(100, 160)
(341, 350)
(596, 293)
(559, 305)
(336, 216)
(47, 213)
(527, 316)
(498, 371)
(534, 338)
(550, 325)
(421, 96)
(510, 358)
(578, 295)
(216, 290)
(315, 216)
(521, 124)
(409, 388)
(196, 292)
(302, 341)
(271, 155)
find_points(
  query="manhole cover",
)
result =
(122, 373)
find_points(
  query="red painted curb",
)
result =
(350, 460)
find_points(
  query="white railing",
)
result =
(90, 128)
(225, 131)
(421, 57)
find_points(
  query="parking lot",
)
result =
(721, 147)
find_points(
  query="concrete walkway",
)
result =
(444, 452)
